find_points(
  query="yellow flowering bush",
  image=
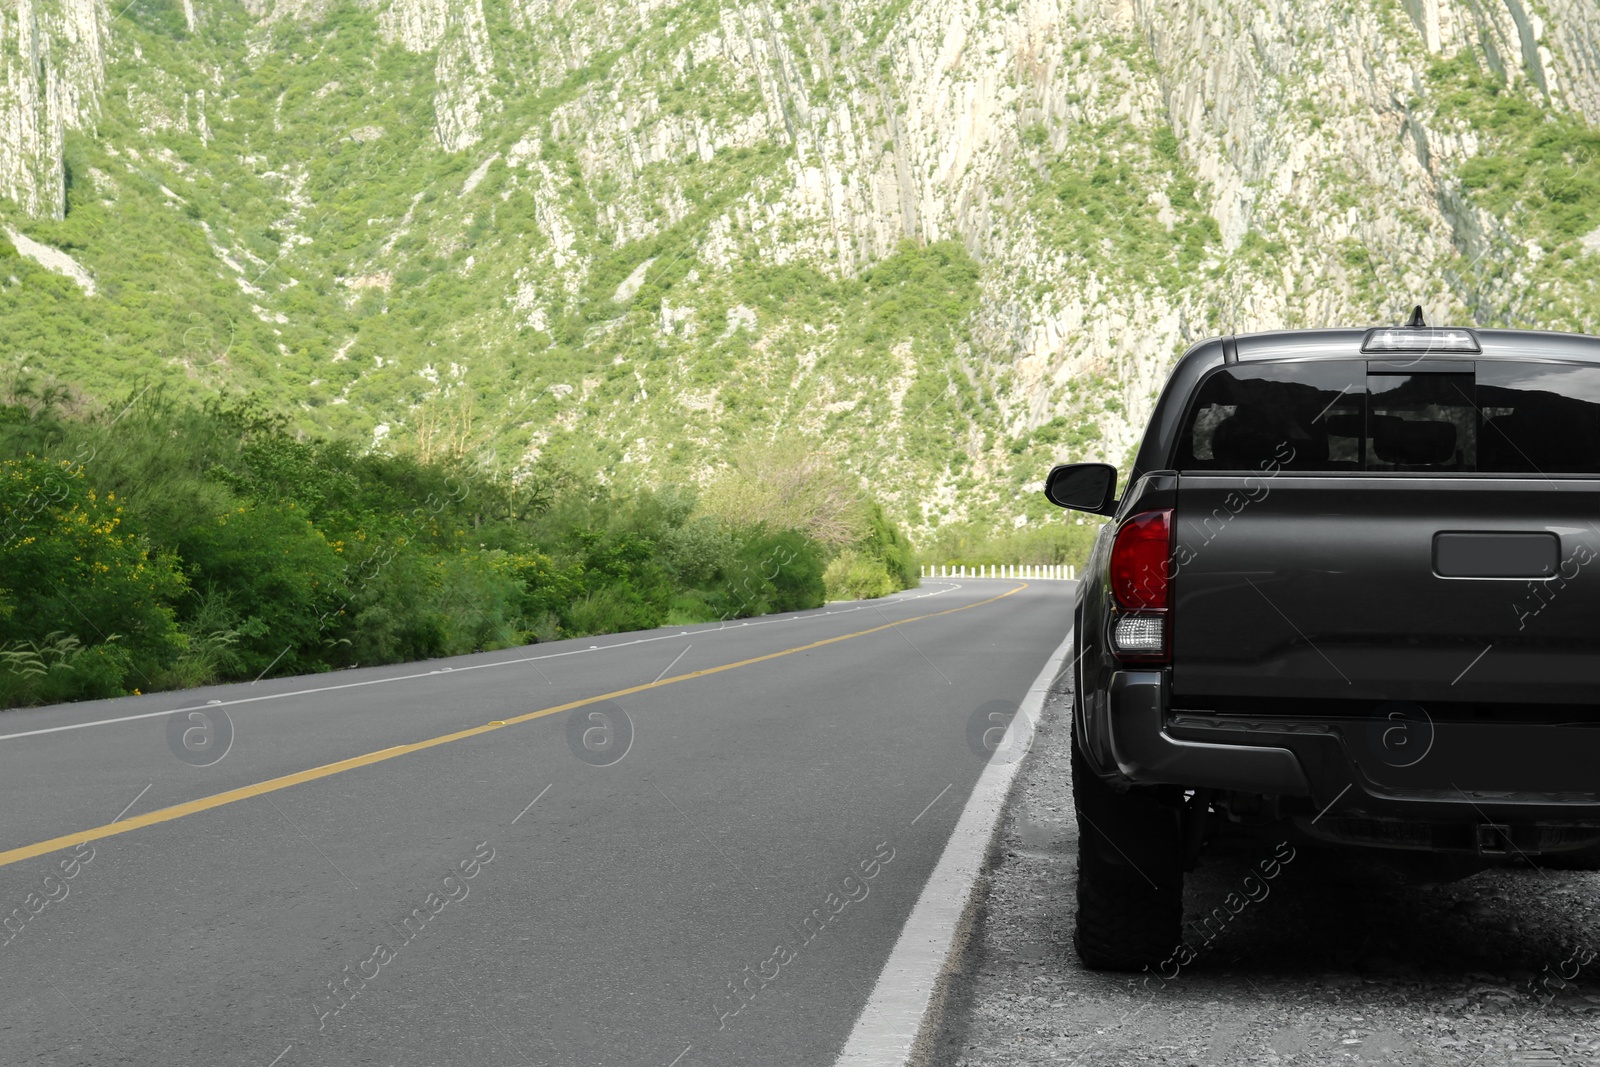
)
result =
(67, 567)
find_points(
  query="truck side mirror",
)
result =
(1087, 487)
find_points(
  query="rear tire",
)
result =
(1130, 874)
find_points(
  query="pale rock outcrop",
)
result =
(1575, 38)
(52, 259)
(52, 72)
(456, 31)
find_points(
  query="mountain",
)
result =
(947, 242)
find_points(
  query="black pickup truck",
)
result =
(1350, 596)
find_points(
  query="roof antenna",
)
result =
(1416, 317)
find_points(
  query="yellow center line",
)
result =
(272, 785)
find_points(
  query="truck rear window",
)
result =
(1498, 417)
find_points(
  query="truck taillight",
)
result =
(1140, 571)
(1139, 559)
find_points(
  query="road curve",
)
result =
(689, 846)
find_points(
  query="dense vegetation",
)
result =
(160, 544)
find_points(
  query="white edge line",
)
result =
(888, 1026)
(413, 677)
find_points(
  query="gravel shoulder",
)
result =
(1335, 964)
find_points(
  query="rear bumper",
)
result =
(1467, 773)
(1146, 753)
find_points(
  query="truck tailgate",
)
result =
(1333, 587)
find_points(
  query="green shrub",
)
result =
(610, 610)
(547, 588)
(209, 653)
(69, 567)
(279, 571)
(698, 551)
(772, 571)
(479, 601)
(789, 485)
(422, 606)
(885, 544)
(853, 576)
(546, 626)
(690, 609)
(60, 668)
(27, 667)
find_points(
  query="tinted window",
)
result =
(1420, 422)
(1295, 415)
(1330, 415)
(1539, 418)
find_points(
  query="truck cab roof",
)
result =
(1346, 344)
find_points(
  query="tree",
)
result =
(788, 485)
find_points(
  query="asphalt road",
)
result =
(318, 878)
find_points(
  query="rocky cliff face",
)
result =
(614, 185)
(52, 71)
